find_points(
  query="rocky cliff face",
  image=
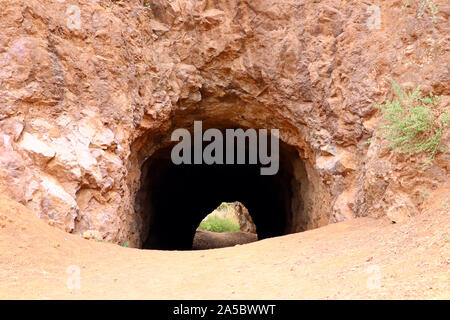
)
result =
(91, 89)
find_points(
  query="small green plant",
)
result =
(216, 224)
(445, 204)
(446, 237)
(412, 123)
(126, 244)
(425, 7)
(148, 5)
(426, 195)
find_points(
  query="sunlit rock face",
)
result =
(89, 92)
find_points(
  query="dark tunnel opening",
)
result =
(175, 198)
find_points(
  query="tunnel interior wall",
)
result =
(173, 199)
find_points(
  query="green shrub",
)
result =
(412, 123)
(216, 224)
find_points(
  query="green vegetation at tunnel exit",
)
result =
(214, 223)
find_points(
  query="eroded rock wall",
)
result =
(90, 89)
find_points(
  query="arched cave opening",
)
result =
(173, 199)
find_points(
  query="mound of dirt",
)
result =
(362, 258)
(213, 240)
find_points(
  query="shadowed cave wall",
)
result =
(173, 199)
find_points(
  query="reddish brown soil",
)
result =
(212, 240)
(362, 258)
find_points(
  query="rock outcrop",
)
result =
(89, 90)
(246, 223)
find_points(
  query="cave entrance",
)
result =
(173, 199)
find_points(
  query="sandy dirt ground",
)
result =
(363, 258)
(212, 240)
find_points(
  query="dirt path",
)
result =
(212, 240)
(363, 258)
